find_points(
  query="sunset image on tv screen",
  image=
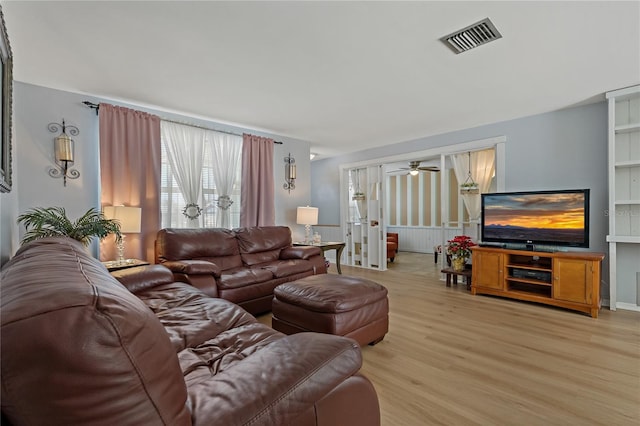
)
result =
(535, 217)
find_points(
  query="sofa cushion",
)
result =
(242, 277)
(143, 277)
(300, 252)
(262, 244)
(187, 314)
(285, 268)
(196, 267)
(251, 259)
(216, 245)
(79, 348)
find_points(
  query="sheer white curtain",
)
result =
(184, 147)
(481, 164)
(226, 153)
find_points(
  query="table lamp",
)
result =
(129, 218)
(307, 216)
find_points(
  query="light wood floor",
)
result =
(451, 358)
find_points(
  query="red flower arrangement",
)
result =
(460, 246)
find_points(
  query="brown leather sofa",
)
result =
(243, 265)
(392, 245)
(80, 347)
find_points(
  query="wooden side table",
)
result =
(453, 273)
(114, 265)
(335, 245)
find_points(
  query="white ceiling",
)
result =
(344, 76)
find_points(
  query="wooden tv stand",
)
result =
(569, 280)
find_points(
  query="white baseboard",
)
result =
(627, 306)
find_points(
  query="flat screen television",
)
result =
(556, 218)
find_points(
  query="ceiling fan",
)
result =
(414, 168)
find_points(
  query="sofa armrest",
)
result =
(277, 384)
(193, 267)
(300, 252)
(143, 277)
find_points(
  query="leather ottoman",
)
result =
(333, 304)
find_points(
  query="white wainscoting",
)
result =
(419, 239)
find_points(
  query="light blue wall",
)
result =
(35, 107)
(557, 150)
(564, 149)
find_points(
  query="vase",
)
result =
(458, 263)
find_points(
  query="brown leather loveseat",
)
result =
(243, 265)
(80, 347)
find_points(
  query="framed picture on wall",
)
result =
(6, 78)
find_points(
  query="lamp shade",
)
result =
(63, 148)
(307, 216)
(129, 217)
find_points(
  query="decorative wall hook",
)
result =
(289, 173)
(63, 152)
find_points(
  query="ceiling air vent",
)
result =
(472, 36)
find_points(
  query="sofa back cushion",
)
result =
(79, 348)
(217, 245)
(262, 243)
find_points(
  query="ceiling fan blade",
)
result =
(429, 168)
(402, 169)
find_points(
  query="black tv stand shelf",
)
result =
(566, 279)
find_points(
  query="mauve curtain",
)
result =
(130, 174)
(257, 194)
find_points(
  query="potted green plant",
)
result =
(44, 222)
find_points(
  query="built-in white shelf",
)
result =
(624, 193)
(626, 164)
(623, 239)
(364, 217)
(626, 202)
(626, 128)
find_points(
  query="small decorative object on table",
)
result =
(459, 248)
(116, 265)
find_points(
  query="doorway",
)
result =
(424, 208)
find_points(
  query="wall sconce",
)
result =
(289, 173)
(63, 152)
(130, 223)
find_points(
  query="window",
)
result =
(172, 202)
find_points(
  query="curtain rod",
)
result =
(97, 107)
